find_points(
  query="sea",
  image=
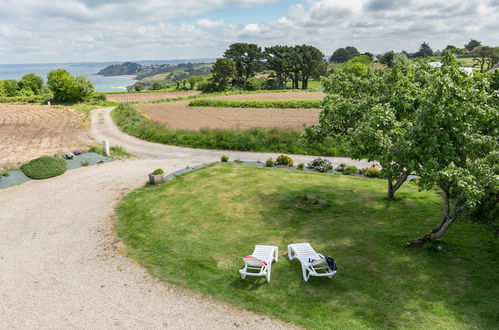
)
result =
(89, 70)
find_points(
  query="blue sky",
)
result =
(43, 31)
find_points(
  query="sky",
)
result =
(55, 31)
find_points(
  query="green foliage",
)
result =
(284, 160)
(255, 139)
(321, 165)
(32, 83)
(44, 167)
(284, 104)
(269, 162)
(424, 51)
(227, 209)
(27, 99)
(301, 166)
(157, 85)
(470, 46)
(69, 89)
(8, 88)
(372, 172)
(350, 170)
(158, 171)
(387, 59)
(224, 159)
(5, 174)
(342, 55)
(85, 163)
(246, 58)
(224, 71)
(238, 161)
(118, 152)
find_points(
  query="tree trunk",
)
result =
(392, 188)
(304, 83)
(448, 218)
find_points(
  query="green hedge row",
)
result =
(26, 99)
(255, 139)
(283, 104)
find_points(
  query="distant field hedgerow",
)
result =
(283, 104)
(256, 139)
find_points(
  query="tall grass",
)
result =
(286, 104)
(255, 139)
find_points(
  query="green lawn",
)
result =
(192, 231)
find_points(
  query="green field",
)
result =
(283, 104)
(192, 231)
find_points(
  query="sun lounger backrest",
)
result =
(264, 252)
(305, 251)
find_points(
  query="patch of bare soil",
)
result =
(31, 131)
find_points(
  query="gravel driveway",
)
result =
(60, 266)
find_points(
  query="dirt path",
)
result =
(59, 265)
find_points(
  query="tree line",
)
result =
(242, 61)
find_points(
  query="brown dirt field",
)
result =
(148, 97)
(31, 131)
(179, 115)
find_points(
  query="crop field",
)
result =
(31, 131)
(148, 97)
(179, 115)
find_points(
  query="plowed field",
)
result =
(31, 131)
(148, 97)
(179, 115)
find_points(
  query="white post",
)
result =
(105, 147)
(48, 103)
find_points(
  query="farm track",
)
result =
(178, 115)
(30, 131)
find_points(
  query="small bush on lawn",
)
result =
(237, 161)
(284, 160)
(269, 162)
(158, 171)
(301, 166)
(350, 170)
(321, 165)
(372, 172)
(44, 167)
(224, 159)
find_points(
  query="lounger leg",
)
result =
(276, 253)
(305, 275)
(289, 253)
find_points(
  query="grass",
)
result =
(284, 104)
(255, 139)
(116, 152)
(192, 232)
(44, 167)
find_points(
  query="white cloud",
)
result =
(93, 30)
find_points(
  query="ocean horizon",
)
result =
(87, 69)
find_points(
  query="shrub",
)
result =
(5, 174)
(84, 163)
(350, 170)
(284, 160)
(224, 159)
(77, 152)
(301, 166)
(269, 162)
(158, 171)
(341, 167)
(321, 165)
(372, 172)
(67, 88)
(44, 167)
(237, 161)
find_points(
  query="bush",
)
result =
(27, 99)
(284, 104)
(321, 165)
(238, 161)
(44, 167)
(372, 172)
(350, 170)
(5, 174)
(341, 167)
(269, 162)
(85, 163)
(69, 89)
(158, 171)
(301, 166)
(284, 160)
(224, 159)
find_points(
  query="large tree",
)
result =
(67, 88)
(424, 50)
(224, 71)
(371, 111)
(247, 58)
(454, 139)
(31, 83)
(486, 56)
(278, 60)
(387, 58)
(342, 55)
(472, 44)
(310, 63)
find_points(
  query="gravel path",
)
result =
(59, 265)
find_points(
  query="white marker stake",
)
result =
(48, 103)
(105, 147)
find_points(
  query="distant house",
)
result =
(468, 70)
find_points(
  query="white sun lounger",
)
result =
(259, 263)
(312, 263)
